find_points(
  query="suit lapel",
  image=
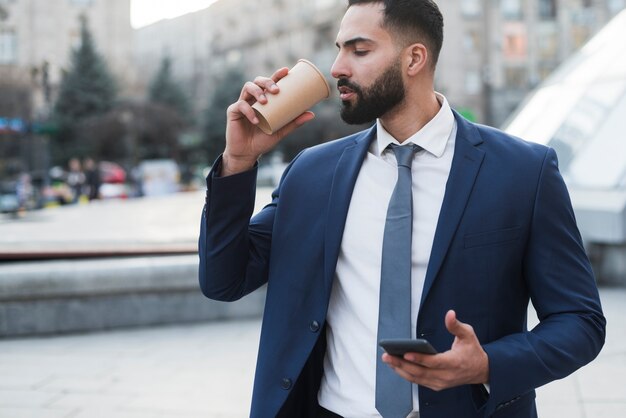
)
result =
(465, 166)
(344, 178)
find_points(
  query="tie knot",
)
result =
(404, 153)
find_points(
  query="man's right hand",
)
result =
(245, 141)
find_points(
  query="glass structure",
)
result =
(580, 111)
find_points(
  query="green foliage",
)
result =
(164, 90)
(87, 89)
(226, 92)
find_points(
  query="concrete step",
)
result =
(54, 297)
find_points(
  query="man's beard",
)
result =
(374, 101)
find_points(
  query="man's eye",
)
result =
(360, 53)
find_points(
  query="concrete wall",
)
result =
(73, 296)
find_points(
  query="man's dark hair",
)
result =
(413, 21)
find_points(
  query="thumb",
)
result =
(456, 327)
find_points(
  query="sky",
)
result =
(144, 12)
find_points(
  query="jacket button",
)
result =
(314, 326)
(286, 383)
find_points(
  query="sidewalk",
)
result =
(144, 225)
(206, 370)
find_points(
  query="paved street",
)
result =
(150, 224)
(206, 370)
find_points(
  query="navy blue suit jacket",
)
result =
(506, 235)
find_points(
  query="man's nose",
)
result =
(339, 68)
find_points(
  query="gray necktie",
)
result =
(393, 393)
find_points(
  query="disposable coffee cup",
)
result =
(300, 89)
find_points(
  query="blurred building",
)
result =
(580, 111)
(495, 51)
(185, 39)
(264, 35)
(36, 39)
(257, 36)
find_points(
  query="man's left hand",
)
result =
(465, 363)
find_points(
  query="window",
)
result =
(472, 42)
(470, 8)
(8, 47)
(81, 3)
(511, 9)
(516, 77)
(547, 9)
(473, 82)
(515, 41)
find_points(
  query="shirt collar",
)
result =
(432, 137)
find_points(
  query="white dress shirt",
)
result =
(348, 383)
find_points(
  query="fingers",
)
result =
(255, 91)
(465, 363)
(280, 73)
(418, 373)
(242, 108)
(458, 328)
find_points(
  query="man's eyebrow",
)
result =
(353, 41)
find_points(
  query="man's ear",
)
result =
(417, 57)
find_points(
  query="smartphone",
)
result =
(398, 347)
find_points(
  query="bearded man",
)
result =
(423, 226)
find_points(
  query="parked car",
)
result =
(111, 172)
(113, 181)
(269, 174)
(158, 177)
(9, 201)
(58, 192)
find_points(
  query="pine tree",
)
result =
(164, 90)
(87, 89)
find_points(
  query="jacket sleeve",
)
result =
(563, 291)
(233, 249)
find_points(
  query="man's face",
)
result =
(368, 67)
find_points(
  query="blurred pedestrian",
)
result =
(24, 191)
(92, 179)
(75, 179)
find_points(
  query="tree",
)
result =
(88, 89)
(15, 114)
(164, 90)
(134, 131)
(227, 90)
